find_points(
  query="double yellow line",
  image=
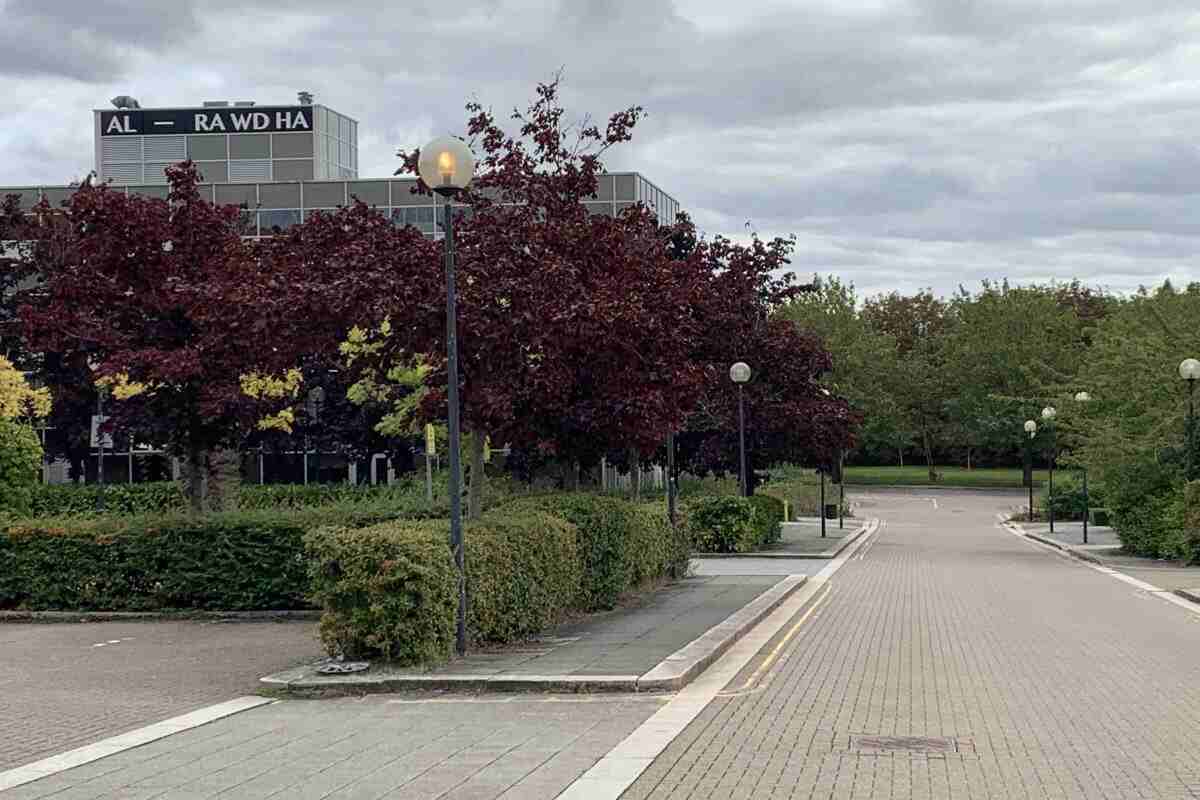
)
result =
(750, 683)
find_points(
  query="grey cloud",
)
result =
(931, 142)
(87, 40)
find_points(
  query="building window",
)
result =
(270, 222)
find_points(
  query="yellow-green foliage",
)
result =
(17, 399)
(20, 460)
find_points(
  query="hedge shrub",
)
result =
(20, 461)
(723, 525)
(1068, 500)
(621, 544)
(1145, 499)
(768, 516)
(390, 590)
(165, 497)
(235, 561)
(387, 589)
(734, 524)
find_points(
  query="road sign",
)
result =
(430, 440)
(97, 421)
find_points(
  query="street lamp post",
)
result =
(1083, 397)
(446, 166)
(99, 448)
(739, 373)
(1189, 370)
(1048, 415)
(1031, 429)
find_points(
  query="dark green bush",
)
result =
(723, 525)
(387, 589)
(235, 561)
(167, 496)
(768, 514)
(1068, 500)
(391, 589)
(71, 499)
(1145, 499)
(621, 544)
(734, 524)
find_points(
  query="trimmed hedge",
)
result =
(734, 524)
(235, 561)
(165, 497)
(621, 545)
(391, 589)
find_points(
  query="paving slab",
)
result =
(657, 642)
(66, 685)
(523, 747)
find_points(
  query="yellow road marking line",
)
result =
(758, 673)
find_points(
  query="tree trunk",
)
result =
(928, 454)
(900, 450)
(477, 478)
(212, 479)
(193, 470)
(224, 479)
(968, 458)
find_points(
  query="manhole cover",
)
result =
(343, 667)
(902, 744)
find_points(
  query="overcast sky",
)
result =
(905, 144)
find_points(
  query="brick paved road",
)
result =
(1044, 678)
(58, 690)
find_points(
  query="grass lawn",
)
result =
(951, 476)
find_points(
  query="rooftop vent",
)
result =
(216, 104)
(243, 103)
(305, 98)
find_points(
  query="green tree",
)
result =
(1009, 346)
(921, 384)
(861, 355)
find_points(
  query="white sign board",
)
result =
(96, 423)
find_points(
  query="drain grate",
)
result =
(864, 743)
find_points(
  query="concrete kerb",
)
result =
(671, 674)
(1066, 548)
(158, 616)
(1191, 595)
(823, 555)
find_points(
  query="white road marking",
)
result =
(617, 771)
(126, 741)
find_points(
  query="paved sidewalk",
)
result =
(68, 684)
(1000, 671)
(1104, 547)
(518, 747)
(608, 650)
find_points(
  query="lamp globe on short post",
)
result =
(739, 373)
(1048, 415)
(447, 166)
(1031, 429)
(1081, 398)
(1189, 370)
